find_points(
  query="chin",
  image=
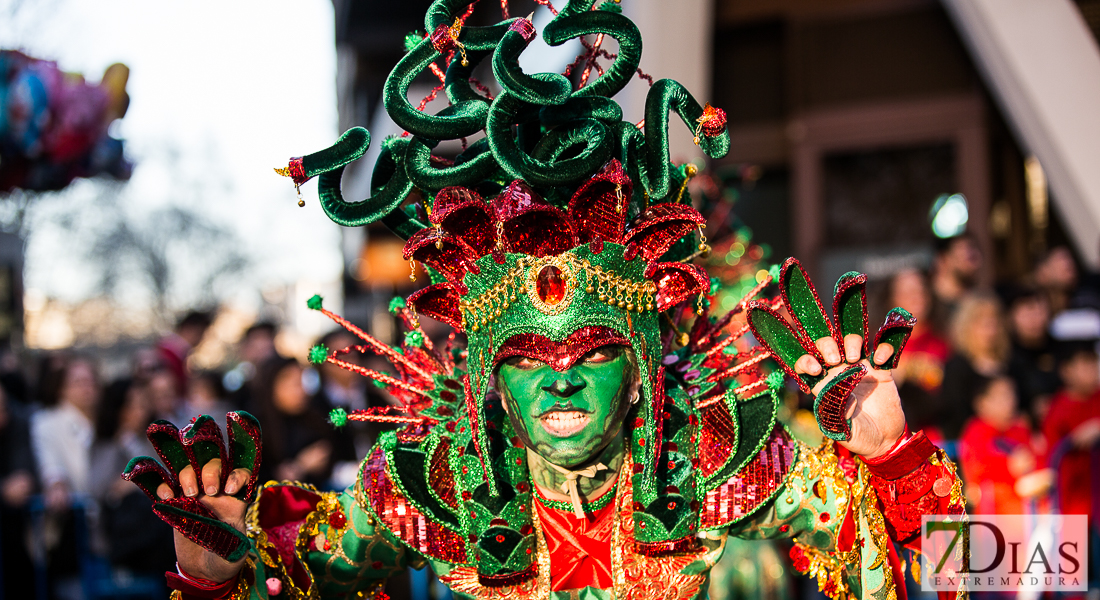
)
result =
(568, 455)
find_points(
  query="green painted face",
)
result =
(569, 417)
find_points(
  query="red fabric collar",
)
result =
(559, 355)
(580, 549)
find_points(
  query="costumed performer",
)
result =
(602, 434)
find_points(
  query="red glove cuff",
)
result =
(909, 486)
(907, 455)
(196, 587)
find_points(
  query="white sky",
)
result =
(235, 87)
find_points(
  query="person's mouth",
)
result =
(565, 423)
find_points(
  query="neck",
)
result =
(84, 411)
(1080, 393)
(549, 480)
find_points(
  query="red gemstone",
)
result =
(550, 285)
(337, 520)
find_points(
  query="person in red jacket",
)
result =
(1072, 429)
(1002, 462)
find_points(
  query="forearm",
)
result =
(305, 543)
(915, 479)
(843, 512)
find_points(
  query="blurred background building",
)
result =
(855, 123)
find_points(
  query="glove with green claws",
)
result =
(203, 487)
(855, 398)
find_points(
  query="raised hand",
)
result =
(203, 489)
(855, 399)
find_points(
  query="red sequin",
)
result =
(752, 485)
(404, 519)
(464, 214)
(531, 225)
(718, 438)
(684, 544)
(297, 171)
(337, 520)
(676, 282)
(442, 40)
(831, 405)
(713, 121)
(559, 355)
(524, 27)
(441, 477)
(598, 208)
(439, 302)
(657, 228)
(445, 253)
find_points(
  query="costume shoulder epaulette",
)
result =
(744, 455)
(408, 484)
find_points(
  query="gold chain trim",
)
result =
(268, 553)
(520, 280)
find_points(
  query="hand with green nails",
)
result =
(202, 489)
(856, 401)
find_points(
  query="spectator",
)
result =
(17, 483)
(1031, 363)
(62, 435)
(164, 398)
(297, 443)
(256, 347)
(341, 388)
(920, 373)
(1072, 427)
(134, 536)
(207, 397)
(177, 346)
(981, 344)
(1001, 460)
(1056, 276)
(955, 270)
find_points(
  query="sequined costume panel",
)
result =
(402, 518)
(753, 485)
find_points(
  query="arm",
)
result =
(50, 468)
(305, 539)
(894, 477)
(843, 512)
(291, 537)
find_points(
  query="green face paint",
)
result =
(569, 417)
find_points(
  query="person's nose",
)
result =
(564, 386)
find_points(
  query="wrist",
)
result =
(192, 586)
(908, 454)
(888, 447)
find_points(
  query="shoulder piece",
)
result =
(275, 522)
(731, 433)
(409, 487)
(745, 455)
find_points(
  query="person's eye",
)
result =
(597, 357)
(523, 362)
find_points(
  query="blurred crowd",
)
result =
(66, 435)
(1006, 378)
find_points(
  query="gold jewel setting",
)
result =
(521, 280)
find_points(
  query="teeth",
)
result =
(566, 421)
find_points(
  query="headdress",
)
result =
(564, 229)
